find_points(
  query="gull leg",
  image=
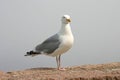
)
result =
(58, 59)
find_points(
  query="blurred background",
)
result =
(26, 23)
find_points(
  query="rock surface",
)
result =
(85, 72)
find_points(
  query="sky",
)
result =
(26, 23)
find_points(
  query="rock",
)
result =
(85, 72)
(4, 76)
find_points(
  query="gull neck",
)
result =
(65, 29)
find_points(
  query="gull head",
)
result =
(66, 19)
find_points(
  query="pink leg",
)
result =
(58, 60)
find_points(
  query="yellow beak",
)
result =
(68, 20)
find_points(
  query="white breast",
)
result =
(66, 44)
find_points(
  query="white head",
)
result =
(66, 19)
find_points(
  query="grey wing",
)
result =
(49, 45)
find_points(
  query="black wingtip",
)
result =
(27, 54)
(31, 53)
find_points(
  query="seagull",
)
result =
(57, 44)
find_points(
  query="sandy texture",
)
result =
(4, 76)
(85, 72)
